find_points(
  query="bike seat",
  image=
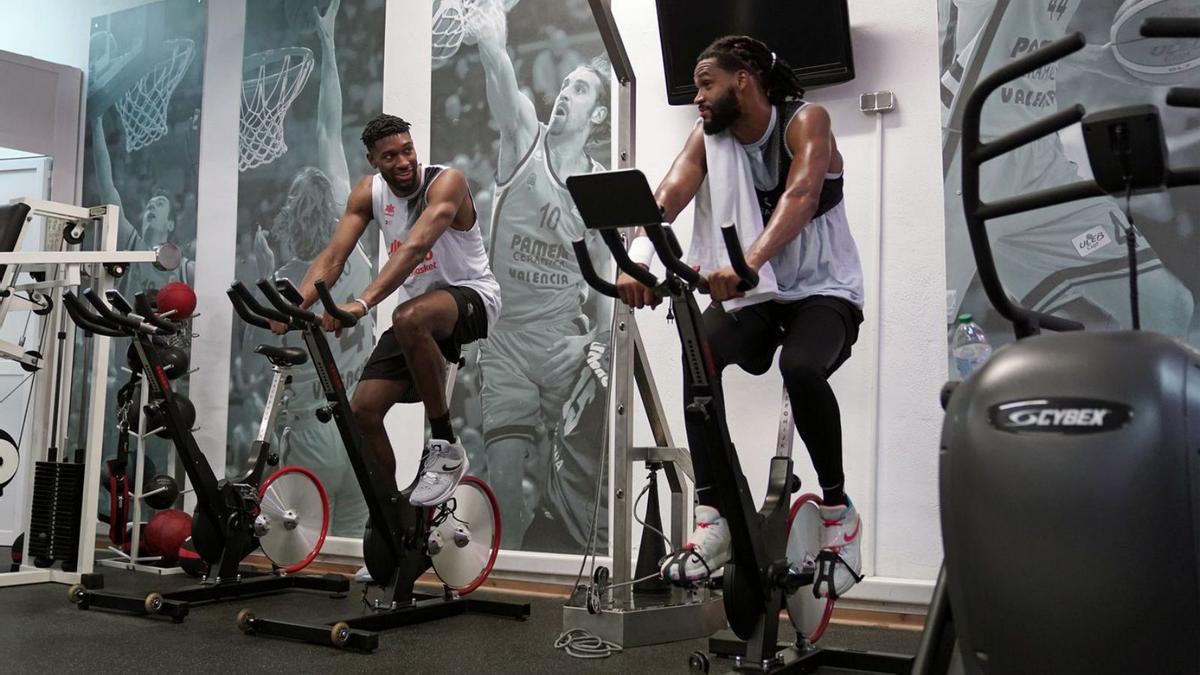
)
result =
(289, 356)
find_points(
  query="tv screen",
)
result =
(813, 36)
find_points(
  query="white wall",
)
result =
(895, 48)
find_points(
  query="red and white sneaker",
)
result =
(841, 536)
(705, 554)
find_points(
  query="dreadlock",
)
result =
(742, 52)
(381, 127)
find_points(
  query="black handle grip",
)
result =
(737, 260)
(118, 301)
(85, 319)
(273, 296)
(114, 317)
(613, 240)
(289, 291)
(671, 260)
(1171, 27)
(248, 300)
(1183, 97)
(589, 271)
(142, 303)
(1057, 323)
(330, 305)
(243, 311)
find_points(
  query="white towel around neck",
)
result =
(734, 202)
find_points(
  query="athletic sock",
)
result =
(439, 428)
(833, 496)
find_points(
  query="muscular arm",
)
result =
(811, 143)
(683, 180)
(679, 187)
(513, 112)
(446, 196)
(330, 152)
(350, 227)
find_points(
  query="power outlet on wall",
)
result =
(877, 101)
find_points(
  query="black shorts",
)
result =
(387, 360)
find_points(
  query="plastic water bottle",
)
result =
(969, 346)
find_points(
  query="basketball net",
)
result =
(271, 81)
(143, 109)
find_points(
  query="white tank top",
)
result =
(457, 257)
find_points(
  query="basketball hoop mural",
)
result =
(143, 108)
(271, 82)
(141, 151)
(311, 77)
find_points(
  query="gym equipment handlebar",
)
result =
(130, 321)
(254, 307)
(142, 303)
(331, 307)
(1171, 27)
(85, 319)
(1183, 97)
(974, 153)
(275, 298)
(613, 240)
(671, 259)
(589, 272)
(243, 311)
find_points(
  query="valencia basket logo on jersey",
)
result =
(1059, 415)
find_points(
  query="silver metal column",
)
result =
(625, 618)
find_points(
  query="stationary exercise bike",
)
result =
(286, 514)
(459, 539)
(776, 555)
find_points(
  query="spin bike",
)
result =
(776, 555)
(283, 514)
(459, 539)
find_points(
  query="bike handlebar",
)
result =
(275, 298)
(87, 320)
(330, 305)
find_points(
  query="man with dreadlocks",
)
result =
(796, 173)
(448, 296)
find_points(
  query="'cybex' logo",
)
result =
(1060, 415)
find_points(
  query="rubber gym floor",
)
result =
(45, 633)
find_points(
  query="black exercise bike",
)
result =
(459, 539)
(283, 513)
(776, 560)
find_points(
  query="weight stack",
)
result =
(54, 518)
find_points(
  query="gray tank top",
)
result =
(823, 260)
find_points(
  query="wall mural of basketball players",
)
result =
(521, 100)
(312, 77)
(145, 74)
(1071, 259)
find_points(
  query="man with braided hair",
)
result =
(796, 169)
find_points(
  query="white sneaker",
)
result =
(362, 576)
(842, 536)
(444, 466)
(705, 554)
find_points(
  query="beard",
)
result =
(723, 113)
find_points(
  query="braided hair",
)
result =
(742, 52)
(383, 126)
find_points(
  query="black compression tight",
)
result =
(814, 341)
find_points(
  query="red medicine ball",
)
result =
(176, 296)
(166, 532)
